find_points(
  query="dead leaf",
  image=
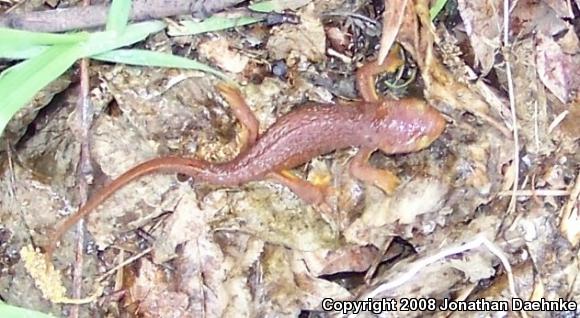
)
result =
(560, 72)
(392, 20)
(152, 295)
(306, 39)
(218, 50)
(349, 258)
(483, 25)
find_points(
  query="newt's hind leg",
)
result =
(365, 75)
(305, 190)
(381, 178)
(242, 112)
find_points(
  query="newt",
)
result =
(392, 126)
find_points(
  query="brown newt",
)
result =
(393, 126)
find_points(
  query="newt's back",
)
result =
(299, 136)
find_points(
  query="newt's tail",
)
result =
(191, 167)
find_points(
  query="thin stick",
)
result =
(567, 211)
(557, 121)
(538, 192)
(124, 263)
(512, 99)
(84, 110)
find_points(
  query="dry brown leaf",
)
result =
(569, 126)
(417, 197)
(349, 258)
(167, 105)
(380, 218)
(554, 259)
(152, 295)
(530, 16)
(306, 39)
(218, 50)
(287, 286)
(531, 105)
(483, 24)
(570, 222)
(187, 223)
(560, 72)
(563, 8)
(392, 20)
(201, 273)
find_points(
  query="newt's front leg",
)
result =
(305, 190)
(365, 80)
(362, 170)
(242, 112)
(365, 75)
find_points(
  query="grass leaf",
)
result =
(214, 23)
(436, 8)
(119, 15)
(95, 43)
(9, 311)
(21, 37)
(13, 52)
(19, 84)
(157, 59)
(101, 42)
(267, 6)
(277, 5)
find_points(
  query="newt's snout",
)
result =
(434, 124)
(409, 125)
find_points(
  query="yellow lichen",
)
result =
(47, 279)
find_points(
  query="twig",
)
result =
(124, 263)
(84, 111)
(373, 268)
(568, 224)
(350, 14)
(557, 121)
(510, 82)
(539, 192)
(94, 16)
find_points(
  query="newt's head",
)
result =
(407, 125)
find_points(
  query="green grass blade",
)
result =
(119, 15)
(20, 83)
(157, 59)
(101, 42)
(211, 24)
(95, 43)
(436, 8)
(217, 23)
(277, 5)
(20, 37)
(267, 6)
(9, 311)
(13, 52)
